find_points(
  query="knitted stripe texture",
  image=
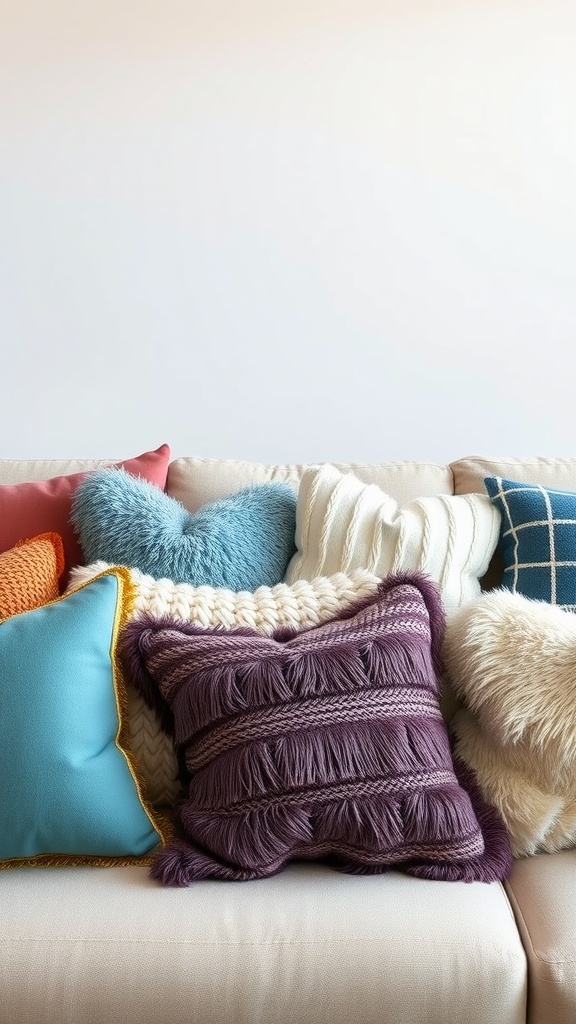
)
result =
(29, 574)
(300, 606)
(321, 743)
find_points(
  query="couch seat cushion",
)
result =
(543, 896)
(103, 945)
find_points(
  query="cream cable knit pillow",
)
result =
(300, 606)
(343, 524)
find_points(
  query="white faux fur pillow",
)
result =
(512, 663)
(343, 524)
(300, 606)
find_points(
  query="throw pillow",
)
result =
(70, 790)
(323, 743)
(28, 509)
(266, 609)
(29, 574)
(512, 662)
(343, 524)
(242, 542)
(537, 540)
(299, 605)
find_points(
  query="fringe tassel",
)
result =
(250, 841)
(438, 815)
(164, 662)
(370, 824)
(315, 758)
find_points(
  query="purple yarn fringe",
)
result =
(321, 744)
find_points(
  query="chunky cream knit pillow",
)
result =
(343, 524)
(299, 606)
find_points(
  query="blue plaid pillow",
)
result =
(537, 540)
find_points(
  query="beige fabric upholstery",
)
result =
(97, 946)
(18, 471)
(197, 481)
(542, 891)
(558, 473)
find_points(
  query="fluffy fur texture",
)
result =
(324, 743)
(241, 542)
(512, 663)
(300, 606)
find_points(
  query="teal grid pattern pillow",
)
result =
(537, 540)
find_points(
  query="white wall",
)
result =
(286, 230)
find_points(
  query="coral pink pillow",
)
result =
(44, 506)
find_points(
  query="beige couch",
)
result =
(103, 945)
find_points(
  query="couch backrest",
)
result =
(199, 480)
(196, 481)
(18, 471)
(558, 473)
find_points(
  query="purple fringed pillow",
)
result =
(322, 744)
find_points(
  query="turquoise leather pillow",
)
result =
(241, 542)
(69, 788)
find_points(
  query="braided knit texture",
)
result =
(29, 574)
(300, 606)
(320, 743)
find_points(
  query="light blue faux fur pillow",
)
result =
(241, 542)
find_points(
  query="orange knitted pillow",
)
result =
(29, 574)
